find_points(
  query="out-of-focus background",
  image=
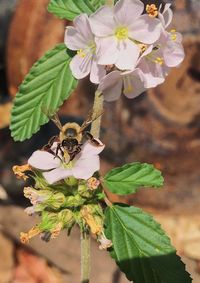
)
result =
(161, 127)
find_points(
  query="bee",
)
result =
(69, 140)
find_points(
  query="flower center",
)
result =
(90, 48)
(152, 11)
(121, 33)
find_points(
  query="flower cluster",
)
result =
(125, 48)
(64, 193)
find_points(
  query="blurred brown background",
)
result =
(161, 126)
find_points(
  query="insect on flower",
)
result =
(69, 140)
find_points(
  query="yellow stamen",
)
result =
(152, 10)
(159, 61)
(143, 47)
(81, 53)
(173, 34)
(121, 33)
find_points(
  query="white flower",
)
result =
(130, 83)
(81, 38)
(82, 166)
(167, 52)
(118, 31)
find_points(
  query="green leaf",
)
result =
(141, 248)
(128, 178)
(69, 9)
(48, 84)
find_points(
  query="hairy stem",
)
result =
(97, 112)
(85, 257)
(85, 237)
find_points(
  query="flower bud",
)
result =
(75, 201)
(71, 181)
(93, 183)
(104, 242)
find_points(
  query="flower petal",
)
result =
(126, 11)
(74, 40)
(80, 67)
(174, 54)
(166, 16)
(102, 21)
(145, 29)
(43, 160)
(82, 24)
(111, 86)
(57, 174)
(97, 71)
(85, 168)
(88, 149)
(107, 51)
(133, 84)
(128, 56)
(153, 74)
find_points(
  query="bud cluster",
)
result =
(62, 205)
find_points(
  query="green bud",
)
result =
(56, 201)
(66, 217)
(48, 221)
(71, 181)
(75, 201)
(84, 192)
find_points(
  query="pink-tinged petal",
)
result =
(102, 21)
(43, 160)
(57, 174)
(111, 86)
(74, 40)
(88, 149)
(85, 168)
(145, 29)
(152, 73)
(174, 54)
(128, 55)
(97, 72)
(166, 16)
(133, 84)
(107, 51)
(126, 11)
(82, 24)
(81, 67)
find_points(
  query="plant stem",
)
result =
(85, 257)
(97, 111)
(85, 237)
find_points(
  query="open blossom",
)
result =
(130, 82)
(167, 52)
(120, 29)
(82, 166)
(81, 38)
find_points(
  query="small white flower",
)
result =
(82, 166)
(130, 83)
(118, 31)
(81, 38)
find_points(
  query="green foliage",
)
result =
(47, 85)
(128, 178)
(141, 248)
(69, 9)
